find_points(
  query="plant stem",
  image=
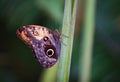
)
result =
(87, 41)
(67, 39)
(49, 75)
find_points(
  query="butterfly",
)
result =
(45, 43)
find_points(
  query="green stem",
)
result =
(87, 41)
(67, 40)
(49, 75)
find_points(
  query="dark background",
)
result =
(17, 63)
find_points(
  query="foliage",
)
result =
(17, 63)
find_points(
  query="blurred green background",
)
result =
(17, 63)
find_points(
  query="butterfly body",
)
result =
(44, 42)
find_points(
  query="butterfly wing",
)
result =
(44, 42)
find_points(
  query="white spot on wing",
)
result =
(41, 33)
